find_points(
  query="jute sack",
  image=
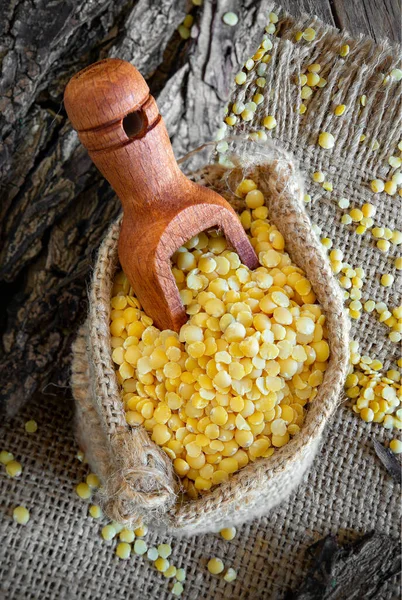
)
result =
(137, 477)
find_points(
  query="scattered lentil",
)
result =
(396, 446)
(31, 426)
(108, 532)
(309, 34)
(95, 511)
(6, 457)
(123, 550)
(93, 481)
(230, 18)
(21, 515)
(215, 566)
(177, 589)
(339, 109)
(326, 140)
(13, 468)
(140, 547)
(230, 575)
(83, 490)
(184, 32)
(228, 533)
(269, 122)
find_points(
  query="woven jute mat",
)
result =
(60, 554)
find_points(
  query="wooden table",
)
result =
(55, 207)
(376, 18)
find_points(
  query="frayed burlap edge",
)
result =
(138, 480)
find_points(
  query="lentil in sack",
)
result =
(139, 482)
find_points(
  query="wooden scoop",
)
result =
(118, 122)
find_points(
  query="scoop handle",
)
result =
(118, 122)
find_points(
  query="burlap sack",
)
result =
(137, 476)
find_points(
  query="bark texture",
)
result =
(352, 572)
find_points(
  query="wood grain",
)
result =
(320, 8)
(162, 209)
(377, 18)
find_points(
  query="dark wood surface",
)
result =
(377, 18)
(55, 206)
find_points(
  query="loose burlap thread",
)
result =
(137, 476)
(60, 554)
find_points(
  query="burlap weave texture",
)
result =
(60, 554)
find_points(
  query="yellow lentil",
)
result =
(240, 78)
(164, 550)
(83, 491)
(340, 109)
(31, 426)
(177, 589)
(306, 92)
(313, 79)
(230, 18)
(152, 554)
(396, 238)
(93, 481)
(95, 511)
(21, 515)
(140, 547)
(383, 245)
(170, 572)
(343, 203)
(387, 280)
(141, 530)
(123, 550)
(377, 185)
(127, 535)
(396, 446)
(390, 188)
(326, 140)
(6, 457)
(161, 564)
(228, 533)
(184, 32)
(108, 532)
(309, 34)
(356, 214)
(269, 122)
(230, 575)
(318, 177)
(215, 566)
(13, 468)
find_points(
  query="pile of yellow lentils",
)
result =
(232, 385)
